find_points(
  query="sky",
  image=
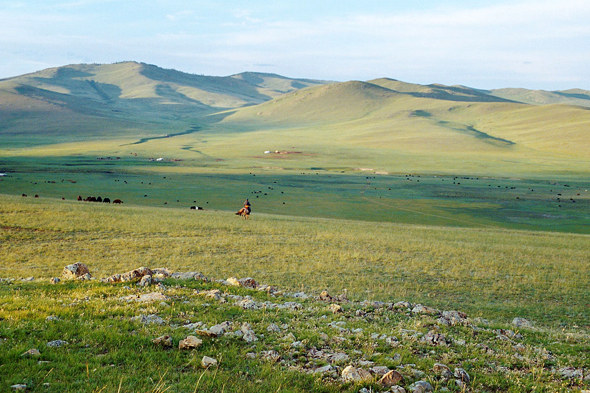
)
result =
(535, 44)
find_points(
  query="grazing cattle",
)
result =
(36, 196)
(106, 200)
(98, 199)
(79, 197)
(91, 199)
(196, 208)
(24, 195)
(63, 199)
(118, 201)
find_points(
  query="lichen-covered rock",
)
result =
(74, 271)
(54, 280)
(233, 281)
(57, 343)
(335, 308)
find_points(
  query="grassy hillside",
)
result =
(488, 272)
(577, 97)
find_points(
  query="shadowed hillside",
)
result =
(87, 101)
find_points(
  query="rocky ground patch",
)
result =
(193, 325)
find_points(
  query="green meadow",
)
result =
(452, 197)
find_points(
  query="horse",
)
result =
(244, 212)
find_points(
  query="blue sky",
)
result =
(539, 44)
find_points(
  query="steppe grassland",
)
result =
(492, 273)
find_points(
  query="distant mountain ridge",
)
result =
(137, 100)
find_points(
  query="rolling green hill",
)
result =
(90, 101)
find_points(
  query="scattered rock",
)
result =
(74, 271)
(397, 389)
(335, 308)
(462, 375)
(52, 318)
(19, 386)
(353, 374)
(421, 309)
(434, 338)
(338, 357)
(420, 387)
(190, 342)
(379, 370)
(324, 369)
(391, 378)
(207, 362)
(56, 343)
(54, 280)
(189, 276)
(325, 296)
(522, 323)
(233, 281)
(273, 328)
(442, 370)
(148, 319)
(31, 352)
(145, 281)
(270, 356)
(132, 275)
(164, 341)
(248, 282)
(570, 373)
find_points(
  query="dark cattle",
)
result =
(196, 208)
(36, 196)
(106, 200)
(91, 199)
(24, 195)
(79, 197)
(98, 199)
(63, 199)
(118, 201)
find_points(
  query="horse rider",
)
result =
(247, 206)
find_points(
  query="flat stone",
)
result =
(420, 387)
(207, 362)
(324, 369)
(147, 297)
(335, 308)
(19, 386)
(233, 281)
(353, 374)
(190, 342)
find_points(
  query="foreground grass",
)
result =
(494, 273)
(106, 350)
